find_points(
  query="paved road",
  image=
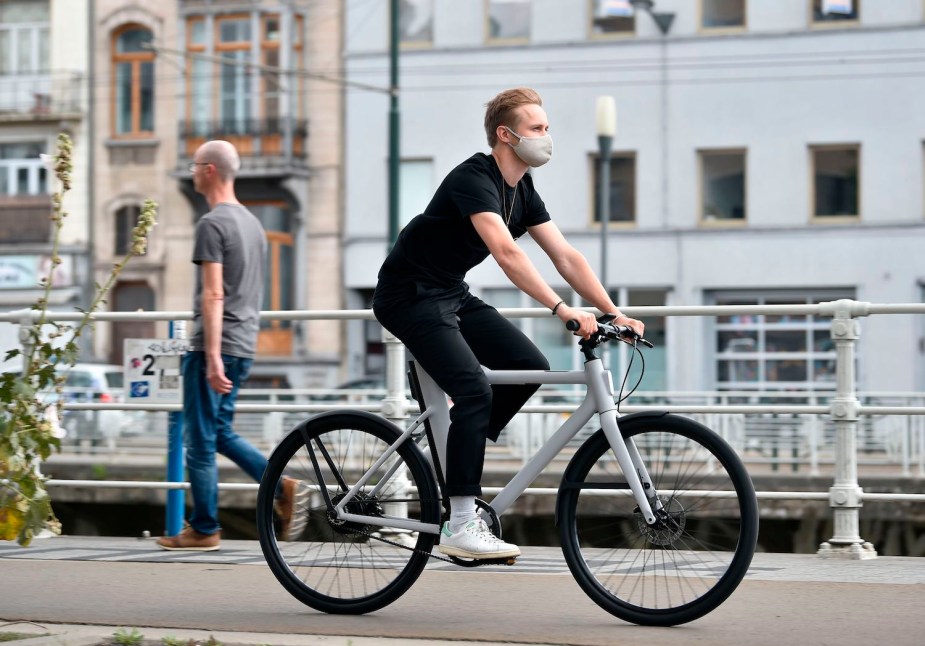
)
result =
(785, 599)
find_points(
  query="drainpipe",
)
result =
(89, 287)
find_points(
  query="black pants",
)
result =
(451, 334)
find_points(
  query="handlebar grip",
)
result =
(572, 325)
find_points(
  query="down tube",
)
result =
(525, 477)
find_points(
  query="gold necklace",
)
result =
(510, 211)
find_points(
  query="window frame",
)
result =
(594, 161)
(616, 35)
(34, 29)
(505, 41)
(810, 325)
(833, 219)
(726, 29)
(832, 24)
(135, 59)
(125, 216)
(420, 44)
(34, 168)
(701, 187)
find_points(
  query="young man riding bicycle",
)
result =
(480, 209)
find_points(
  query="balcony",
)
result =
(260, 143)
(38, 96)
(25, 218)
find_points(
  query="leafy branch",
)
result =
(29, 430)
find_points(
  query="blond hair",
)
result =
(499, 111)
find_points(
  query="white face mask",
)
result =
(534, 151)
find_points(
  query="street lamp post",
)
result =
(606, 129)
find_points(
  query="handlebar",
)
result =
(607, 331)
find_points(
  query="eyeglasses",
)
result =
(192, 167)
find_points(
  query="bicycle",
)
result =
(657, 516)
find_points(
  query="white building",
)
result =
(766, 152)
(43, 91)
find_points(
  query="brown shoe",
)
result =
(190, 540)
(292, 508)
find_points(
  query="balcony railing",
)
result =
(254, 138)
(40, 94)
(24, 218)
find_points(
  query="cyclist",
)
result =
(482, 207)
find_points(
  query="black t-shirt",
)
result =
(440, 245)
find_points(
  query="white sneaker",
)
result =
(475, 541)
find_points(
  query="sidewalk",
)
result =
(83, 589)
(51, 634)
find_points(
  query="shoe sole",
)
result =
(478, 556)
(211, 548)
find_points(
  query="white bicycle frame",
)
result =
(599, 398)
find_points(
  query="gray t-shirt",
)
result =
(231, 235)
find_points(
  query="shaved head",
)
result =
(222, 155)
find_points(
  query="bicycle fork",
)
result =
(628, 457)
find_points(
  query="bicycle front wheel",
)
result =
(699, 549)
(341, 566)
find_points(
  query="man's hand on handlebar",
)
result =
(587, 323)
(638, 326)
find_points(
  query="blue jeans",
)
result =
(207, 419)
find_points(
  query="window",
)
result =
(24, 42)
(622, 187)
(836, 12)
(836, 180)
(126, 219)
(612, 18)
(416, 22)
(133, 82)
(509, 20)
(222, 99)
(765, 352)
(21, 170)
(722, 14)
(234, 81)
(722, 186)
(416, 187)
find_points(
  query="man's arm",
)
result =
(574, 268)
(213, 311)
(517, 266)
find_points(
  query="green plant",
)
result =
(125, 638)
(28, 401)
(170, 640)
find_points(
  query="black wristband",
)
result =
(557, 307)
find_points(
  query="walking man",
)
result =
(229, 251)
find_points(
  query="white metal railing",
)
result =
(843, 409)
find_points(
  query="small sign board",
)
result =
(152, 370)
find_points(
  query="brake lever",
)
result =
(622, 332)
(628, 335)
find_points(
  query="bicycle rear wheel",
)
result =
(348, 567)
(692, 559)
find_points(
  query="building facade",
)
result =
(766, 152)
(43, 91)
(172, 75)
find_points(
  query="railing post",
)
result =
(176, 498)
(395, 409)
(845, 495)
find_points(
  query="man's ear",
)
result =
(503, 135)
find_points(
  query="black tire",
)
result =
(347, 568)
(693, 559)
